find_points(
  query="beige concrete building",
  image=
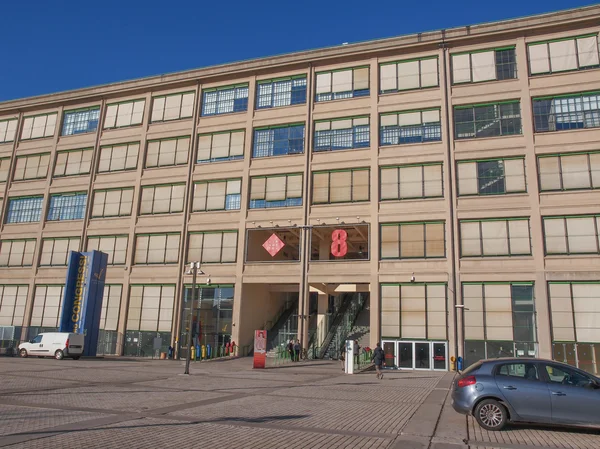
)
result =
(442, 184)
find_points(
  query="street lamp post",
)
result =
(194, 270)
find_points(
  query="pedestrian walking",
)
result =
(377, 359)
(297, 351)
(343, 357)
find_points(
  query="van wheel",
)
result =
(76, 357)
(23, 353)
(491, 415)
(58, 355)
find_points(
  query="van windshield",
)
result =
(37, 339)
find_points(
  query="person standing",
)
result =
(297, 351)
(290, 349)
(377, 359)
(356, 350)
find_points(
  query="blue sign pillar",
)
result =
(82, 300)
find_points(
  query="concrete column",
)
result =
(322, 319)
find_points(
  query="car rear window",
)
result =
(472, 369)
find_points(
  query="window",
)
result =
(574, 111)
(17, 253)
(47, 305)
(67, 206)
(571, 235)
(224, 146)
(8, 130)
(342, 134)
(487, 120)
(162, 199)
(217, 195)
(401, 128)
(344, 83)
(39, 126)
(406, 75)
(526, 371)
(119, 157)
(413, 240)
(414, 311)
(569, 171)
(150, 308)
(127, 113)
(411, 181)
(113, 245)
(281, 92)
(225, 100)
(165, 152)
(76, 162)
(487, 65)
(495, 237)
(213, 247)
(575, 311)
(112, 202)
(111, 305)
(561, 55)
(339, 186)
(566, 376)
(4, 168)
(55, 251)
(26, 209)
(12, 304)
(491, 176)
(156, 248)
(80, 121)
(276, 191)
(172, 107)
(278, 140)
(32, 167)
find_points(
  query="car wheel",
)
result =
(76, 357)
(23, 353)
(491, 415)
(58, 355)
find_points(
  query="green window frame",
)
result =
(8, 130)
(4, 168)
(119, 157)
(413, 240)
(487, 120)
(124, 113)
(176, 106)
(491, 64)
(495, 237)
(73, 162)
(113, 245)
(217, 194)
(341, 186)
(213, 247)
(17, 252)
(495, 176)
(563, 55)
(117, 202)
(350, 82)
(571, 234)
(31, 166)
(168, 152)
(409, 74)
(561, 172)
(163, 199)
(411, 181)
(55, 250)
(39, 126)
(221, 146)
(153, 249)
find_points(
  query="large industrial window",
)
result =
(47, 304)
(225, 100)
(573, 111)
(491, 176)
(109, 319)
(276, 191)
(126, 113)
(167, 152)
(340, 242)
(495, 237)
(32, 167)
(281, 92)
(344, 83)
(413, 240)
(340, 186)
(67, 206)
(172, 107)
(80, 121)
(411, 181)
(278, 140)
(113, 245)
(561, 55)
(572, 235)
(55, 251)
(119, 157)
(212, 246)
(223, 146)
(222, 194)
(569, 171)
(8, 130)
(485, 65)
(74, 162)
(112, 202)
(400, 128)
(17, 253)
(407, 75)
(26, 209)
(487, 120)
(12, 306)
(4, 168)
(273, 245)
(162, 199)
(39, 126)
(156, 248)
(414, 311)
(342, 134)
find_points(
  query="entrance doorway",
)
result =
(417, 355)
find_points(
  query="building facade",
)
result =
(450, 176)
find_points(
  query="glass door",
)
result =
(439, 356)
(405, 355)
(422, 355)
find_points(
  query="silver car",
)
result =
(527, 390)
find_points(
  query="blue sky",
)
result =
(52, 46)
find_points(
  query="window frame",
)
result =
(68, 152)
(423, 181)
(355, 131)
(563, 39)
(164, 262)
(229, 158)
(118, 105)
(486, 50)
(499, 118)
(399, 225)
(272, 95)
(113, 189)
(286, 200)
(495, 159)
(90, 121)
(424, 128)
(355, 93)
(560, 172)
(481, 238)
(6, 172)
(329, 172)
(165, 96)
(160, 142)
(26, 197)
(222, 233)
(111, 257)
(4, 135)
(402, 61)
(271, 143)
(18, 307)
(594, 113)
(45, 240)
(154, 187)
(26, 158)
(75, 207)
(33, 117)
(216, 181)
(234, 88)
(23, 255)
(595, 218)
(110, 160)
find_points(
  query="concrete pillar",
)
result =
(322, 318)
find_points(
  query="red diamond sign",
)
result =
(273, 245)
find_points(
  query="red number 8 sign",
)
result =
(339, 246)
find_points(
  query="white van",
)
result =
(53, 344)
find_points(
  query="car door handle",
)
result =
(558, 393)
(510, 387)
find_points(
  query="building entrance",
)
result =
(417, 355)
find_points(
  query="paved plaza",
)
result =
(106, 403)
